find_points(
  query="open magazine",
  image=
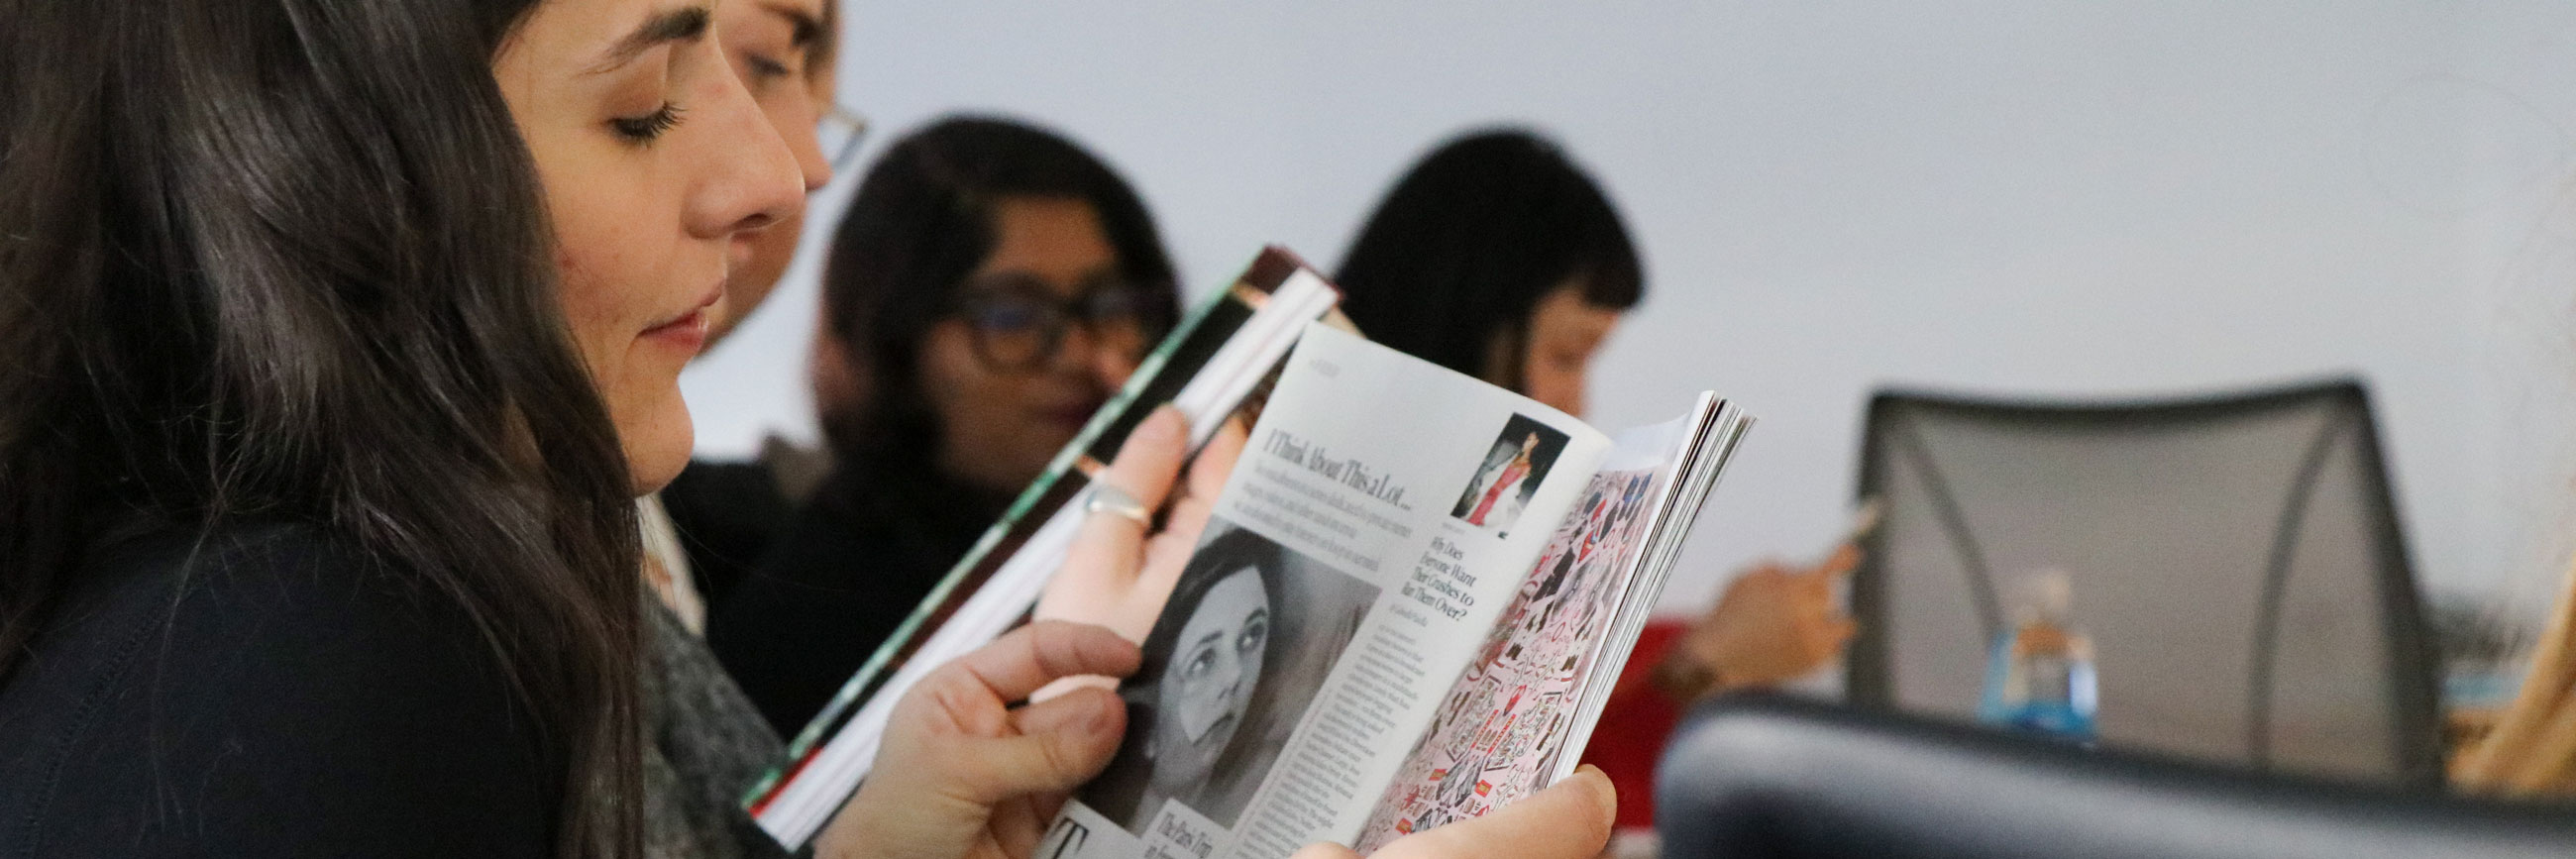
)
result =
(1413, 598)
(1217, 363)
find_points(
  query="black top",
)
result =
(727, 514)
(855, 561)
(277, 696)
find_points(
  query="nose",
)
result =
(750, 177)
(798, 128)
(1227, 679)
(1082, 352)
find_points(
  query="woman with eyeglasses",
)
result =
(989, 287)
(706, 528)
(336, 341)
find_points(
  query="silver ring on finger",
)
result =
(1105, 498)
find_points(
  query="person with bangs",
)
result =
(1497, 256)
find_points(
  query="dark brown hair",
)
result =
(288, 260)
(921, 222)
(1459, 253)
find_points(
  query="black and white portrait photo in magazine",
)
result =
(1249, 634)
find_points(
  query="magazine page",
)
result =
(1719, 427)
(1213, 365)
(1381, 516)
(1502, 729)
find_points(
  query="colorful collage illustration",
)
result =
(1503, 725)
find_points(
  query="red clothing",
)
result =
(1509, 479)
(1635, 723)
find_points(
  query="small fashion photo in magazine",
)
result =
(1509, 475)
(1248, 635)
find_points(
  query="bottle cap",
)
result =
(2048, 594)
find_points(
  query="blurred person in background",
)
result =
(1497, 256)
(2531, 749)
(990, 286)
(782, 50)
(704, 742)
(705, 529)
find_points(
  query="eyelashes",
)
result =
(646, 128)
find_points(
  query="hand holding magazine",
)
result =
(1411, 599)
(1215, 364)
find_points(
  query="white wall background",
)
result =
(2036, 197)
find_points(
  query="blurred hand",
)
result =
(1773, 624)
(1116, 575)
(1570, 820)
(962, 774)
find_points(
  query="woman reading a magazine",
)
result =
(1498, 257)
(335, 341)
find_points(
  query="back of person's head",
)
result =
(1452, 263)
(287, 260)
(923, 219)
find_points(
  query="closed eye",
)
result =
(644, 129)
(766, 68)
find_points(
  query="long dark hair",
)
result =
(921, 222)
(1454, 259)
(288, 260)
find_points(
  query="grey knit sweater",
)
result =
(705, 746)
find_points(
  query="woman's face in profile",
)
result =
(1565, 331)
(658, 170)
(769, 43)
(1205, 690)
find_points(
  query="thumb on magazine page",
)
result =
(964, 773)
(1569, 820)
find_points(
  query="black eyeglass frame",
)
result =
(1057, 316)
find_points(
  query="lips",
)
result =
(689, 329)
(1220, 730)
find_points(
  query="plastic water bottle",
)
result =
(2039, 676)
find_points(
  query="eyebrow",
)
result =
(804, 29)
(684, 24)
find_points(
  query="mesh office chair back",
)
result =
(2236, 560)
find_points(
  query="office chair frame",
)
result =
(2415, 703)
